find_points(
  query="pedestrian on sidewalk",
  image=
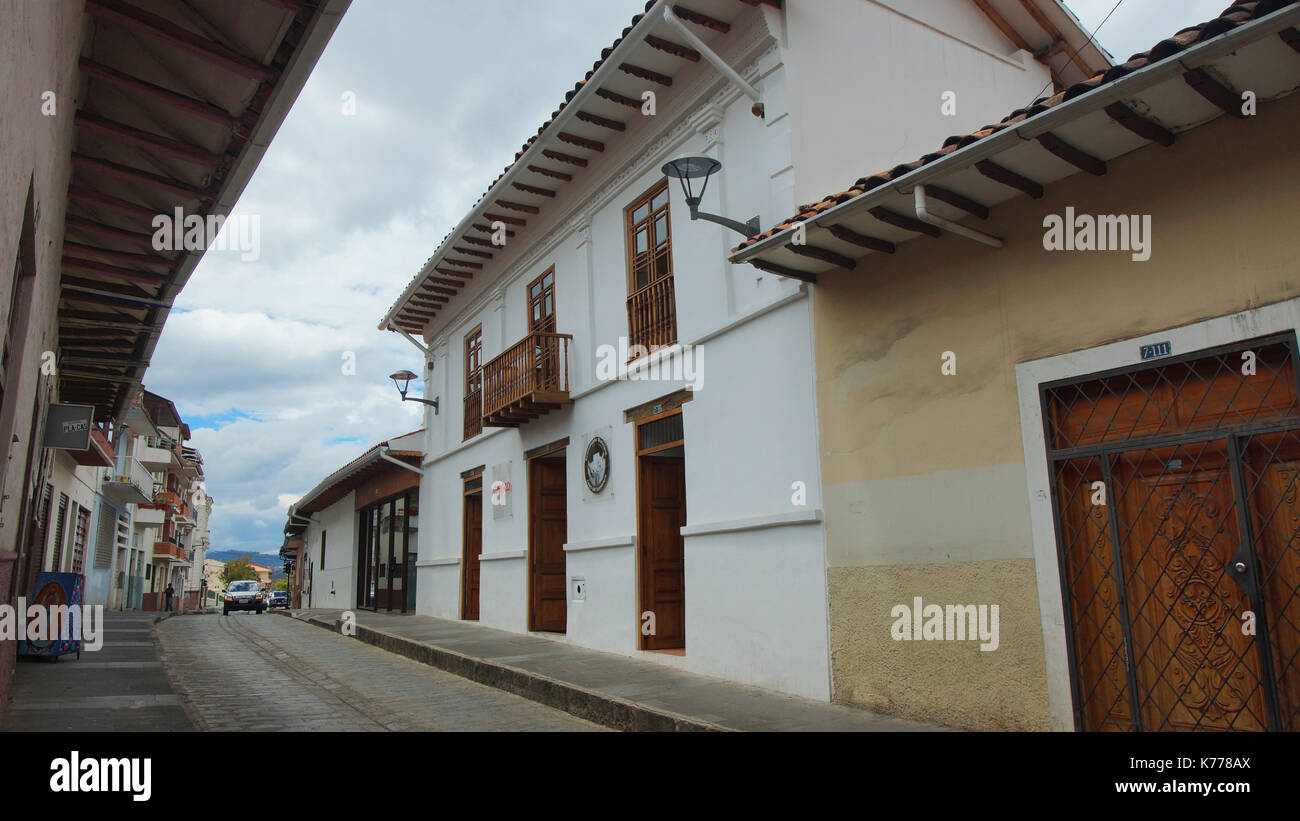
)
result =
(170, 592)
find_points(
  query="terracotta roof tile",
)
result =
(1237, 14)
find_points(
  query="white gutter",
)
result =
(1127, 86)
(384, 453)
(710, 55)
(924, 215)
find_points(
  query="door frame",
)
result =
(559, 452)
(466, 493)
(1222, 331)
(641, 640)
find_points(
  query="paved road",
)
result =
(267, 673)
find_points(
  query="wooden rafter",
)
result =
(675, 49)
(581, 142)
(1079, 159)
(450, 273)
(464, 263)
(1217, 93)
(565, 158)
(532, 189)
(956, 200)
(1007, 177)
(119, 257)
(781, 270)
(179, 149)
(84, 195)
(1011, 34)
(471, 252)
(167, 185)
(615, 97)
(477, 241)
(1291, 37)
(646, 74)
(823, 254)
(519, 206)
(189, 105)
(91, 268)
(487, 229)
(603, 122)
(143, 22)
(434, 289)
(699, 19)
(135, 238)
(508, 220)
(1145, 128)
(905, 222)
(862, 240)
(453, 283)
(550, 172)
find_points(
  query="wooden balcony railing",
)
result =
(528, 379)
(473, 414)
(652, 315)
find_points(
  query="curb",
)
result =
(591, 705)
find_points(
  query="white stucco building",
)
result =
(671, 508)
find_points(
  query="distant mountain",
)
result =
(271, 560)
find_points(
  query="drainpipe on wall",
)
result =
(924, 215)
(385, 454)
(718, 63)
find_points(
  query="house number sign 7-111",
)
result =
(1155, 351)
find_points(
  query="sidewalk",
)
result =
(616, 691)
(121, 687)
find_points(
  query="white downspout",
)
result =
(384, 454)
(410, 339)
(918, 195)
(710, 55)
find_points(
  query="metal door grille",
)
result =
(1178, 529)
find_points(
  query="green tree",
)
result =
(280, 584)
(237, 570)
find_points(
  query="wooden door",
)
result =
(470, 561)
(663, 565)
(1195, 669)
(548, 526)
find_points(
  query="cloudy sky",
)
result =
(349, 208)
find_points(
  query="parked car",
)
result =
(279, 598)
(245, 595)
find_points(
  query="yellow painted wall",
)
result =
(924, 473)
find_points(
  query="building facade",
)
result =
(1059, 421)
(586, 475)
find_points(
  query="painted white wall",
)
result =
(339, 523)
(867, 79)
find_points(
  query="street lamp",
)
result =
(402, 379)
(688, 169)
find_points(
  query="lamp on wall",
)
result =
(688, 169)
(402, 379)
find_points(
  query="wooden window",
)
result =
(80, 532)
(474, 383)
(651, 308)
(541, 302)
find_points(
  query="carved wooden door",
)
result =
(1178, 525)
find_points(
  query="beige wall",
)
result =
(924, 473)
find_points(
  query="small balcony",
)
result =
(129, 482)
(169, 551)
(652, 316)
(529, 379)
(154, 456)
(149, 516)
(99, 454)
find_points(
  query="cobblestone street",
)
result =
(267, 673)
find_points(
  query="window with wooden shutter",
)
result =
(474, 383)
(651, 307)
